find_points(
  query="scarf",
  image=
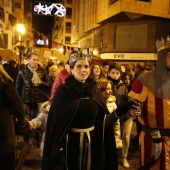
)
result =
(35, 79)
(115, 82)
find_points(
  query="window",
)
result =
(67, 40)
(17, 5)
(68, 27)
(6, 39)
(69, 11)
(131, 36)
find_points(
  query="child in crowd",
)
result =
(120, 91)
(40, 121)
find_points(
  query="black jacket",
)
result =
(63, 109)
(11, 107)
(13, 72)
(26, 88)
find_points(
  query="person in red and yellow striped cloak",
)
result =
(153, 90)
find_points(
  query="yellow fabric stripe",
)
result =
(151, 110)
(141, 144)
(82, 130)
(81, 148)
(166, 110)
(89, 153)
(141, 96)
(166, 142)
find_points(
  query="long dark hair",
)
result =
(92, 68)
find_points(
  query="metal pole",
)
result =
(20, 48)
(20, 53)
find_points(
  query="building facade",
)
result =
(13, 12)
(116, 29)
(6, 24)
(62, 27)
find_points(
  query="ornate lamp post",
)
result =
(21, 30)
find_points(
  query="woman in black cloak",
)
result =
(79, 132)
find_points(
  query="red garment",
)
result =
(155, 114)
(60, 79)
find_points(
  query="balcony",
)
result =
(8, 6)
(143, 7)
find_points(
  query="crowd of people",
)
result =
(80, 113)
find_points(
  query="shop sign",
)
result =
(129, 56)
(119, 56)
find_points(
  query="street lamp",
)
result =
(21, 30)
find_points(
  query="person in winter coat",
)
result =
(120, 91)
(31, 83)
(13, 70)
(60, 79)
(41, 121)
(53, 72)
(105, 68)
(79, 131)
(11, 109)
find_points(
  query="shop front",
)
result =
(129, 58)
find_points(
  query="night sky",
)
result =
(42, 23)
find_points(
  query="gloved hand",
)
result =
(22, 127)
(111, 118)
(131, 104)
(32, 125)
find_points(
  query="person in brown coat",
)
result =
(11, 108)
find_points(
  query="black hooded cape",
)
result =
(63, 109)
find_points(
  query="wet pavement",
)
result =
(33, 159)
